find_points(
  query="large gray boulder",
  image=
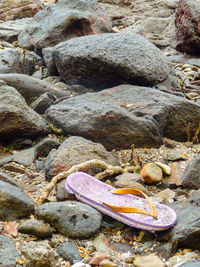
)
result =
(125, 115)
(110, 59)
(17, 119)
(63, 21)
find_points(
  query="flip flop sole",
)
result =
(93, 192)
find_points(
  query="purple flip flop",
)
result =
(93, 192)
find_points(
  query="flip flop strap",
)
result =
(137, 192)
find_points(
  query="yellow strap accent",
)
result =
(137, 192)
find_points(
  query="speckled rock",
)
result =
(110, 59)
(75, 150)
(39, 254)
(14, 203)
(126, 115)
(148, 261)
(71, 218)
(8, 252)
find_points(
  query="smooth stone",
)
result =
(148, 261)
(174, 155)
(8, 252)
(69, 252)
(35, 227)
(71, 218)
(166, 169)
(14, 204)
(151, 173)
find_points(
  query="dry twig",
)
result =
(95, 163)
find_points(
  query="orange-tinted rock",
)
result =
(17, 9)
(98, 257)
(151, 173)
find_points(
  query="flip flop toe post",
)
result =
(130, 206)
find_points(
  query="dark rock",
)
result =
(110, 59)
(12, 9)
(26, 157)
(164, 250)
(190, 264)
(31, 88)
(191, 176)
(11, 61)
(35, 227)
(70, 218)
(69, 253)
(39, 165)
(43, 102)
(61, 193)
(186, 232)
(39, 254)
(71, 19)
(8, 252)
(124, 115)
(8, 179)
(187, 35)
(75, 150)
(10, 30)
(195, 198)
(17, 118)
(48, 59)
(14, 203)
